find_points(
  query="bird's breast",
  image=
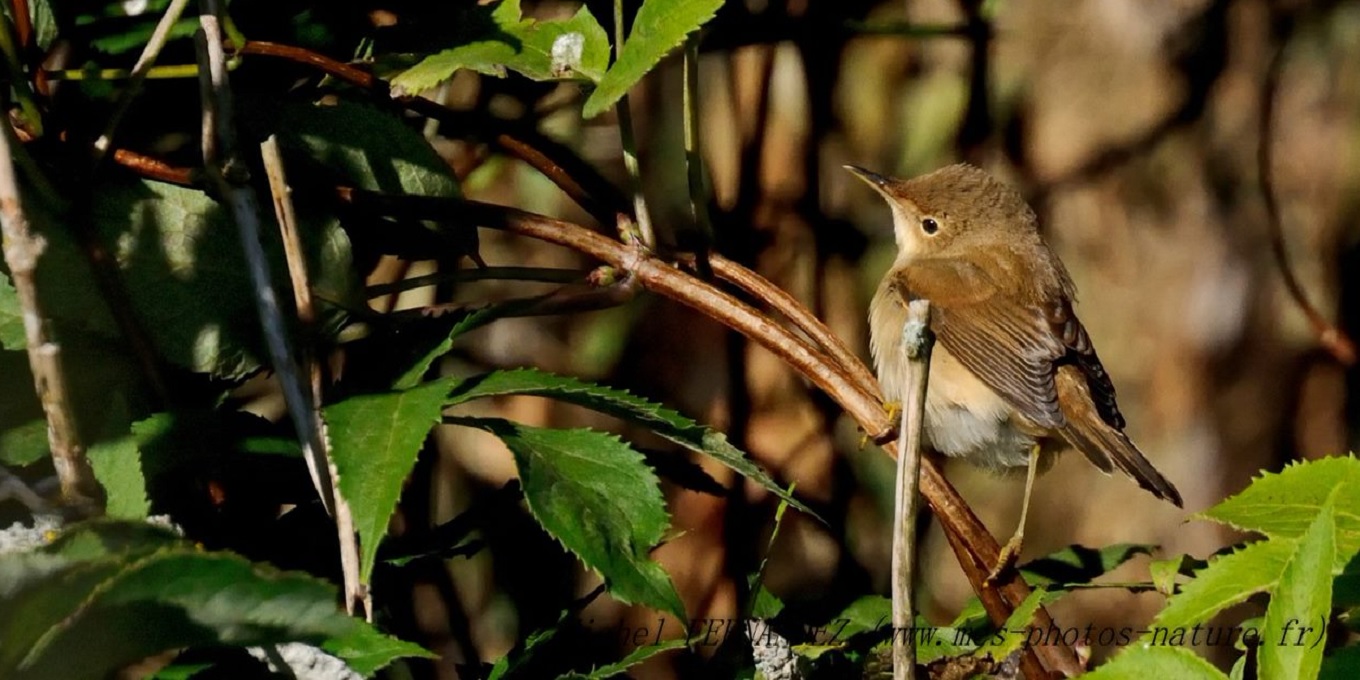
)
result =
(964, 417)
(967, 419)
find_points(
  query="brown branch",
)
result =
(1332, 338)
(22, 250)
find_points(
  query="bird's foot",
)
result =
(894, 409)
(1009, 554)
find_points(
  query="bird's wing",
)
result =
(1010, 339)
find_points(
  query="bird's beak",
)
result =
(873, 179)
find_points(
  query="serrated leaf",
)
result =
(1141, 663)
(117, 465)
(665, 422)
(108, 593)
(1073, 565)
(11, 316)
(1286, 504)
(498, 38)
(660, 26)
(366, 650)
(374, 442)
(594, 494)
(366, 148)
(1077, 564)
(24, 444)
(1227, 580)
(1296, 619)
(633, 658)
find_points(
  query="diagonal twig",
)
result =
(230, 179)
(1332, 338)
(145, 61)
(306, 311)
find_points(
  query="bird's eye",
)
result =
(929, 225)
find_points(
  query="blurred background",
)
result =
(1133, 127)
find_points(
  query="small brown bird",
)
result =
(1013, 375)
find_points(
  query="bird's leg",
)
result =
(1011, 551)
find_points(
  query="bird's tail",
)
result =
(1107, 447)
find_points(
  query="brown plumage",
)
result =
(1014, 371)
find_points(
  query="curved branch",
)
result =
(1332, 338)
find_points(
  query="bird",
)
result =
(1013, 377)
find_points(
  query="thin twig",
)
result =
(694, 157)
(139, 71)
(230, 179)
(1332, 338)
(22, 249)
(916, 344)
(306, 311)
(529, 274)
(642, 218)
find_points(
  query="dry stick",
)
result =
(229, 177)
(1333, 339)
(302, 297)
(144, 63)
(22, 250)
(916, 343)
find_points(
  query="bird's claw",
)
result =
(1009, 554)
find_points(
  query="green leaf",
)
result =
(106, 593)
(118, 467)
(660, 26)
(593, 493)
(374, 441)
(366, 650)
(181, 262)
(1286, 504)
(634, 658)
(497, 38)
(11, 316)
(666, 423)
(1011, 637)
(1296, 620)
(24, 444)
(44, 23)
(764, 604)
(1141, 663)
(1227, 580)
(366, 148)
